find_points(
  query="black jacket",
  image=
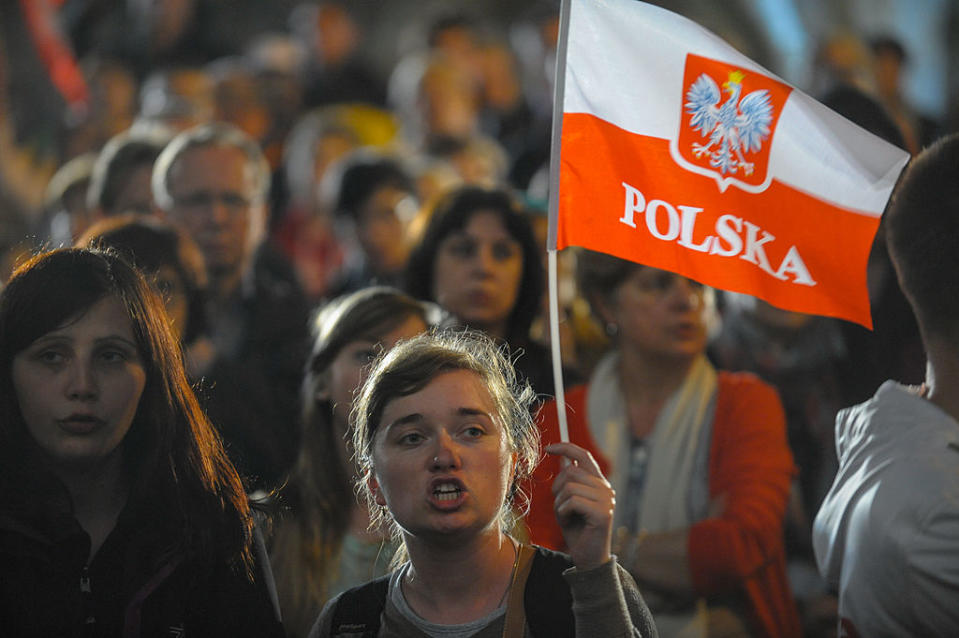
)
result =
(251, 392)
(130, 588)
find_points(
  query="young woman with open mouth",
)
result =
(443, 435)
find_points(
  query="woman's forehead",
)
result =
(68, 314)
(107, 315)
(487, 220)
(404, 325)
(447, 394)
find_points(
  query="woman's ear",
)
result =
(513, 483)
(603, 307)
(321, 387)
(374, 486)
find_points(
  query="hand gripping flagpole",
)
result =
(558, 86)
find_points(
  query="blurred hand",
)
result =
(583, 503)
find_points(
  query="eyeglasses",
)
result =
(234, 203)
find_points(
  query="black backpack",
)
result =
(547, 601)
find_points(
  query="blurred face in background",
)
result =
(173, 290)
(214, 200)
(238, 102)
(659, 313)
(350, 367)
(179, 98)
(449, 99)
(135, 195)
(337, 35)
(477, 273)
(381, 228)
(888, 70)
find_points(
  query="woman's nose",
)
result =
(483, 260)
(686, 293)
(445, 456)
(82, 384)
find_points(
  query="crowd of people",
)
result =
(274, 362)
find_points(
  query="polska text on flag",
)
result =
(679, 152)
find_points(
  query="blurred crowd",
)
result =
(260, 171)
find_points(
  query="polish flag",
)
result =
(678, 152)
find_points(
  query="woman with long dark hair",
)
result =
(322, 542)
(119, 511)
(478, 259)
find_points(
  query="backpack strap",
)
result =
(548, 600)
(515, 623)
(357, 612)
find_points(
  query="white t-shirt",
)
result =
(887, 534)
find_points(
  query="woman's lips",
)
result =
(446, 493)
(479, 297)
(80, 423)
(687, 329)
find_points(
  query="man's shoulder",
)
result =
(898, 456)
(276, 297)
(273, 274)
(899, 469)
(897, 423)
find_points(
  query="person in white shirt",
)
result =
(887, 534)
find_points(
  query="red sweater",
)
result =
(749, 464)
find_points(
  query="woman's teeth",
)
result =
(446, 492)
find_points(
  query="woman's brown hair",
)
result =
(319, 496)
(180, 477)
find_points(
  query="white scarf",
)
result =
(672, 496)
(674, 442)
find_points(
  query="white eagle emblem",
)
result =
(735, 127)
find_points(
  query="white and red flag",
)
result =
(679, 152)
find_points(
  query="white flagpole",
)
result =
(553, 289)
(554, 345)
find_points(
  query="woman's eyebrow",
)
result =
(415, 417)
(50, 336)
(473, 412)
(120, 338)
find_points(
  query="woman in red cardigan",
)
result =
(698, 459)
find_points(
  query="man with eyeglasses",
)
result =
(212, 180)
